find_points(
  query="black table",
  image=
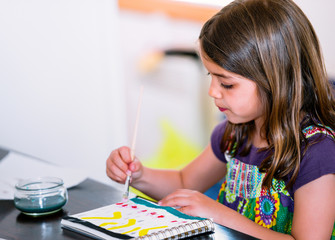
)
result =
(87, 195)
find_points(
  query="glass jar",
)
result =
(40, 196)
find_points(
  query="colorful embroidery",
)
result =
(266, 210)
(243, 179)
(312, 130)
(230, 197)
(242, 191)
(242, 206)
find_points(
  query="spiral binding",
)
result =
(182, 231)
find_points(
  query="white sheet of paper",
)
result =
(14, 167)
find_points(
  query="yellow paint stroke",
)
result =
(107, 223)
(145, 231)
(133, 230)
(116, 215)
(130, 223)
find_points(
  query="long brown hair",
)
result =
(273, 43)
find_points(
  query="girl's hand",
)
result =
(119, 163)
(192, 203)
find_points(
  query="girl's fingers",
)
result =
(125, 155)
(116, 165)
(119, 163)
(178, 198)
(116, 174)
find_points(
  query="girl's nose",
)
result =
(214, 91)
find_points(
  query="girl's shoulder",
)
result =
(319, 157)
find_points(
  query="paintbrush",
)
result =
(125, 195)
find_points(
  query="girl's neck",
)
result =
(258, 139)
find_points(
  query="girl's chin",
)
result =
(236, 121)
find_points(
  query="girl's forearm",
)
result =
(234, 220)
(157, 183)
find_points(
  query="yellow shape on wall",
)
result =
(175, 152)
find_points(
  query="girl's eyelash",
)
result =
(226, 86)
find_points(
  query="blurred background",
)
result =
(71, 71)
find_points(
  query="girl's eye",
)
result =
(226, 86)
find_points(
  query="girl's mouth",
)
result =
(222, 109)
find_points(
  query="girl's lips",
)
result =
(222, 109)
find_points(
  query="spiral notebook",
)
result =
(137, 219)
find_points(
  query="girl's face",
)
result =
(236, 96)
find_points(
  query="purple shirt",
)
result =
(318, 161)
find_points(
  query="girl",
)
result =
(277, 149)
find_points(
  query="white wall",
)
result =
(61, 88)
(321, 15)
(68, 78)
(174, 91)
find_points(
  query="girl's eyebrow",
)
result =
(220, 75)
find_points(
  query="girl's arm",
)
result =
(197, 204)
(202, 173)
(314, 211)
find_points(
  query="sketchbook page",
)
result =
(138, 218)
(15, 167)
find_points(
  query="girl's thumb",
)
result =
(135, 165)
